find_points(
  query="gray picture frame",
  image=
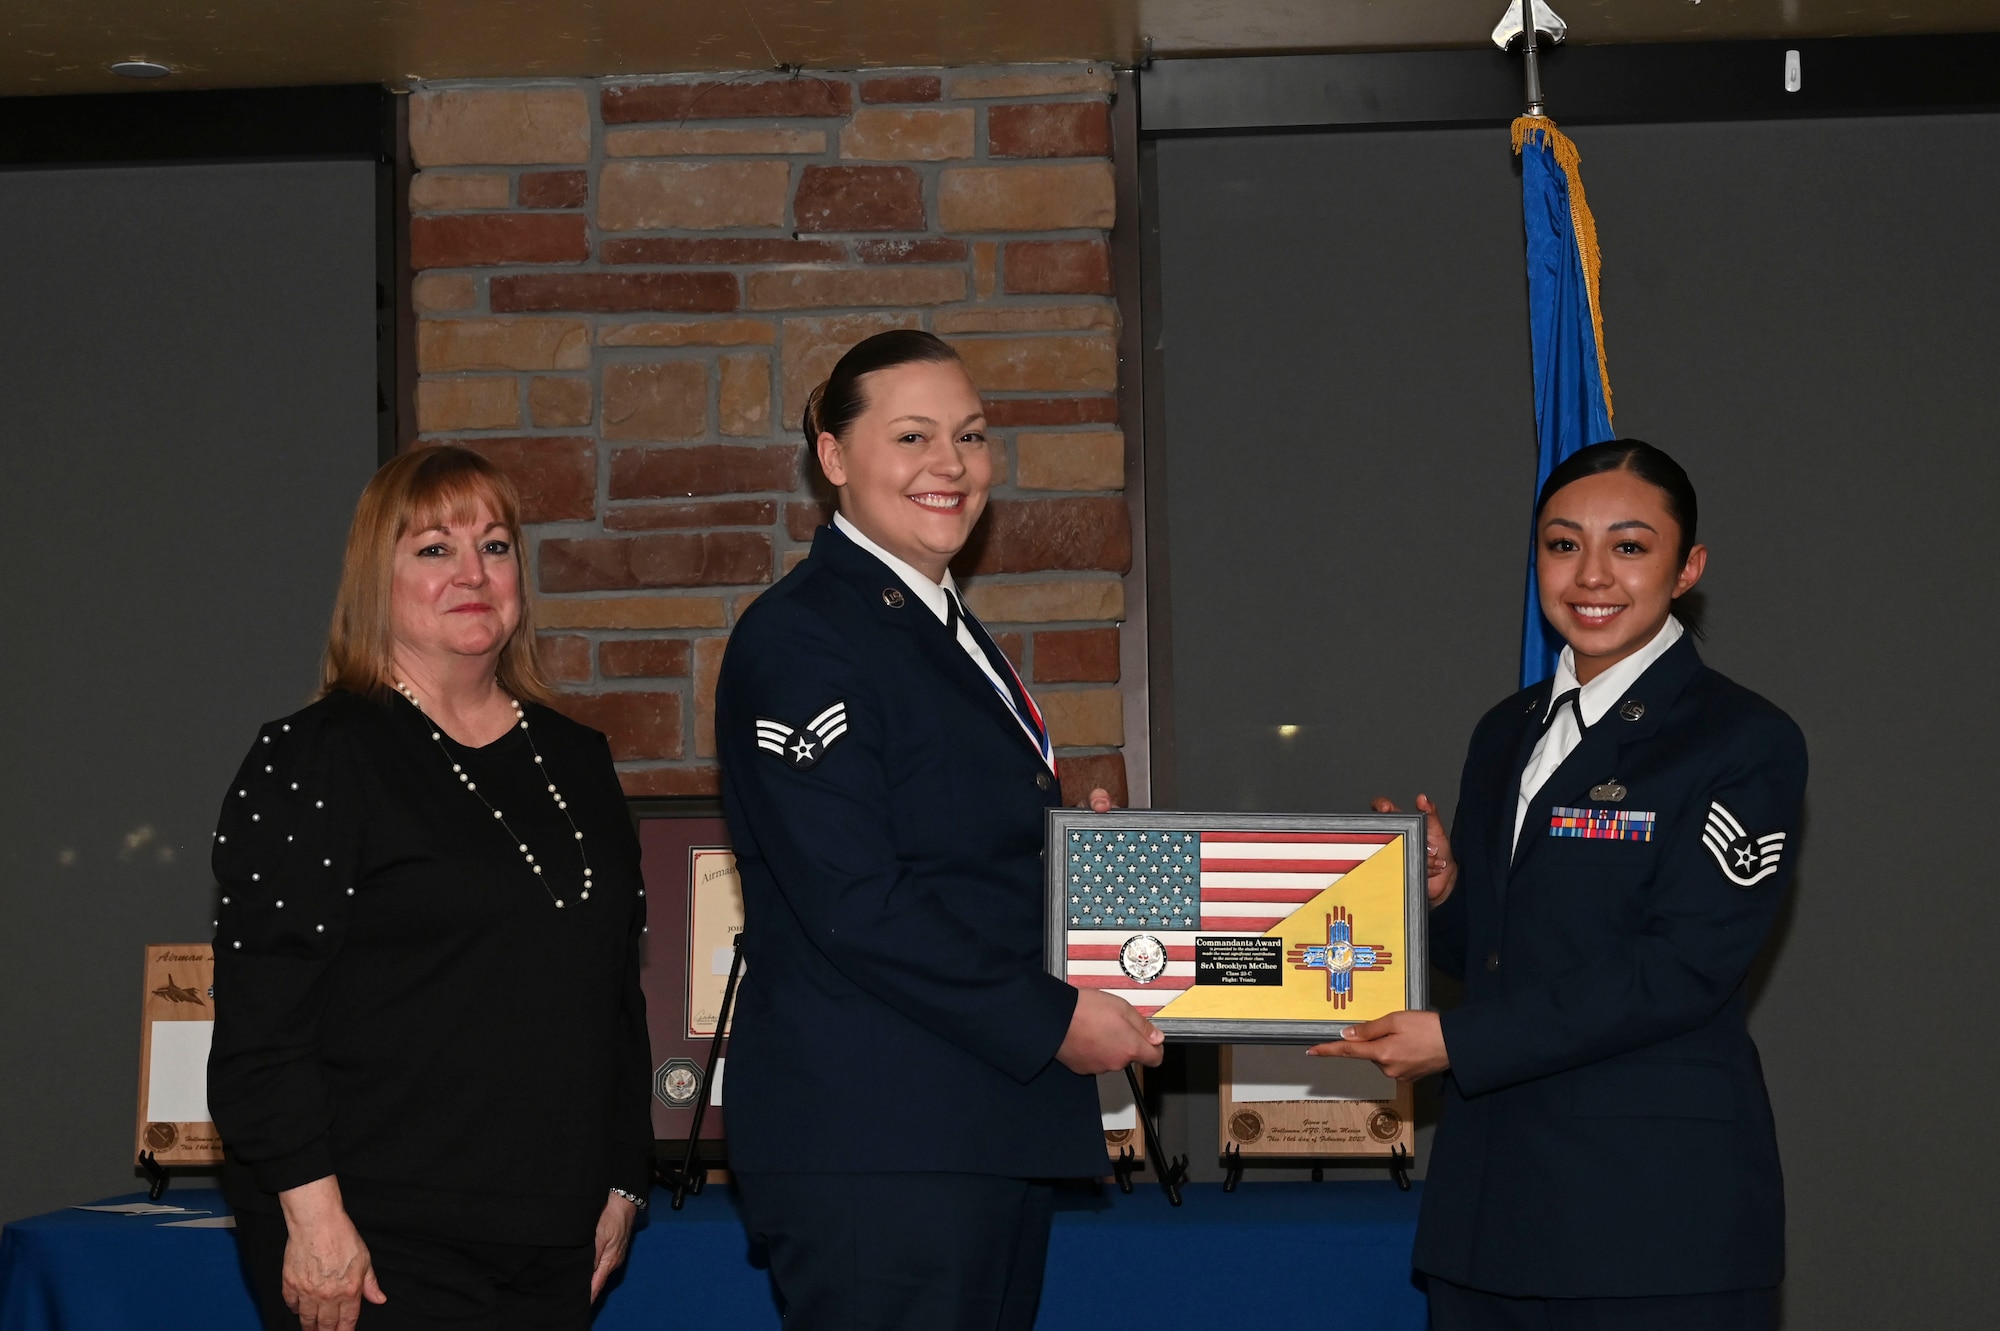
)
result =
(1416, 905)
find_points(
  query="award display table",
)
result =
(1268, 1254)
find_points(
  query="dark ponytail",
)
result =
(1655, 467)
(839, 402)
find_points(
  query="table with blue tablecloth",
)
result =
(1269, 1254)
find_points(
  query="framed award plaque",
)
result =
(1241, 928)
(694, 912)
(177, 1021)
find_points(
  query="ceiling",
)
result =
(65, 46)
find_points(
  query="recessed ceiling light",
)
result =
(140, 69)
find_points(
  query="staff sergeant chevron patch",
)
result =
(803, 748)
(1745, 860)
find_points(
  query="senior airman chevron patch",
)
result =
(803, 748)
(1744, 860)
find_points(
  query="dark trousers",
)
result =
(1456, 1308)
(434, 1284)
(878, 1252)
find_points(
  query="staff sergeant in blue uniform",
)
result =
(904, 1077)
(1625, 835)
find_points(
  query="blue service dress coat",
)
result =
(886, 811)
(1605, 1129)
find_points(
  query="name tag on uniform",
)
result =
(1602, 824)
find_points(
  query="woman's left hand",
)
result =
(614, 1236)
(1405, 1045)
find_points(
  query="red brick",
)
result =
(662, 782)
(930, 249)
(680, 249)
(705, 469)
(902, 88)
(670, 559)
(556, 475)
(857, 198)
(565, 656)
(1010, 647)
(614, 293)
(1049, 129)
(803, 519)
(1008, 411)
(639, 725)
(722, 513)
(807, 95)
(1049, 267)
(643, 658)
(1085, 772)
(473, 239)
(554, 189)
(1030, 535)
(1072, 655)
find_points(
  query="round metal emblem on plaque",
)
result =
(1117, 1136)
(677, 1083)
(1246, 1125)
(1385, 1125)
(1143, 957)
(892, 598)
(161, 1136)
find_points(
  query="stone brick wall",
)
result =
(626, 288)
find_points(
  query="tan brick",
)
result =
(811, 346)
(985, 268)
(1029, 319)
(731, 99)
(499, 126)
(1026, 198)
(794, 558)
(565, 657)
(707, 669)
(444, 191)
(746, 394)
(712, 142)
(1028, 81)
(694, 196)
(1050, 129)
(805, 288)
(444, 345)
(556, 402)
(903, 88)
(663, 782)
(1092, 461)
(631, 612)
(468, 404)
(706, 333)
(436, 293)
(639, 725)
(880, 134)
(1041, 364)
(1047, 602)
(1086, 718)
(665, 400)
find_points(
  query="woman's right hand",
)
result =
(1441, 870)
(327, 1271)
(1106, 1033)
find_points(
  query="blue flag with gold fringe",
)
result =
(1566, 329)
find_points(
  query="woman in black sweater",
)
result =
(430, 1061)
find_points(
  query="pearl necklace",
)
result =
(520, 719)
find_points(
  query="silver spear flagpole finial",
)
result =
(1515, 23)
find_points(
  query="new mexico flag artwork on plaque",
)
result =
(1305, 926)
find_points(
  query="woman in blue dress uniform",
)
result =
(904, 1077)
(1625, 835)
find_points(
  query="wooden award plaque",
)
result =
(1276, 1101)
(176, 1023)
(1120, 1116)
(694, 911)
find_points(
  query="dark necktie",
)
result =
(1570, 699)
(1017, 696)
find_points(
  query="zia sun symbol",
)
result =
(1339, 957)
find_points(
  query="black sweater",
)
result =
(399, 1000)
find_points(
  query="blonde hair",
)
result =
(424, 488)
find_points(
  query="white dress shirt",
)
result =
(933, 596)
(1595, 699)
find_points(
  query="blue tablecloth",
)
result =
(1270, 1254)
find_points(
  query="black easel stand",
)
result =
(1123, 1166)
(1399, 1166)
(1173, 1172)
(156, 1174)
(1232, 1166)
(692, 1176)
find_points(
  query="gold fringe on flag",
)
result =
(1580, 221)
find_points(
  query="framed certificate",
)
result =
(1241, 928)
(694, 911)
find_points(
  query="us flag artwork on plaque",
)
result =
(1220, 925)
